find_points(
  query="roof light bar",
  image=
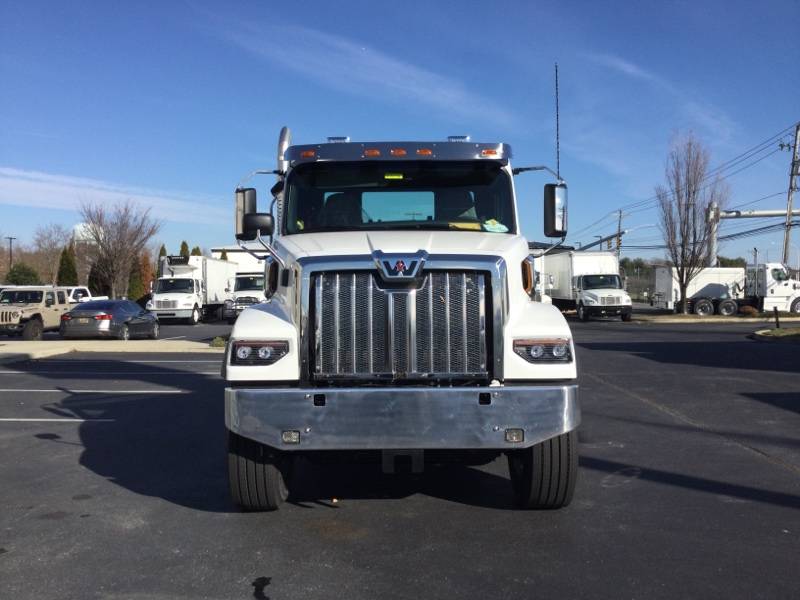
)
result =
(398, 152)
(424, 152)
(372, 152)
(308, 154)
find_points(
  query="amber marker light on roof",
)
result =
(425, 152)
(372, 152)
(308, 154)
(488, 152)
(398, 152)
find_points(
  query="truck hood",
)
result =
(602, 292)
(433, 242)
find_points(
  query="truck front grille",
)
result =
(166, 304)
(610, 300)
(436, 329)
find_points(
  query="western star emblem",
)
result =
(399, 268)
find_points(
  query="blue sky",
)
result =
(170, 104)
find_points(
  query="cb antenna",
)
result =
(558, 136)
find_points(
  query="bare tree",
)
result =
(48, 242)
(684, 203)
(117, 237)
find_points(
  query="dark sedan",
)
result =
(120, 319)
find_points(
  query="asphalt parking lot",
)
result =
(114, 486)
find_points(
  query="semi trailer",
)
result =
(723, 290)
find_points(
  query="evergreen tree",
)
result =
(136, 287)
(22, 274)
(162, 251)
(184, 249)
(196, 251)
(224, 255)
(67, 267)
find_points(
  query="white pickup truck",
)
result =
(400, 324)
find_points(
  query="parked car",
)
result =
(120, 319)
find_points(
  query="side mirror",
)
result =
(258, 224)
(245, 204)
(555, 210)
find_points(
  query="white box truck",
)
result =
(722, 290)
(587, 282)
(191, 287)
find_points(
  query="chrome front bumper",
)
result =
(172, 313)
(402, 418)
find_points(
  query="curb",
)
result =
(760, 336)
(712, 320)
(12, 352)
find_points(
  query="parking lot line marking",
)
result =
(57, 420)
(130, 361)
(67, 391)
(177, 337)
(74, 373)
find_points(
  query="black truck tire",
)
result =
(544, 475)
(195, 318)
(32, 331)
(257, 474)
(627, 316)
(582, 314)
(795, 308)
(704, 307)
(727, 308)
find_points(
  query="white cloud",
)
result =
(354, 68)
(45, 190)
(697, 112)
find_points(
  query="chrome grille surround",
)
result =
(610, 300)
(496, 297)
(436, 328)
(166, 304)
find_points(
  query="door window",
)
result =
(50, 298)
(62, 298)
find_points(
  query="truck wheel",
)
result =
(582, 314)
(32, 330)
(257, 474)
(795, 308)
(544, 475)
(704, 307)
(195, 318)
(627, 316)
(727, 308)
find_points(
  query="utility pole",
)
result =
(10, 251)
(619, 233)
(793, 172)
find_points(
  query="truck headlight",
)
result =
(258, 353)
(588, 300)
(543, 350)
(149, 305)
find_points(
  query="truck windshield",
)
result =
(164, 286)
(251, 282)
(352, 196)
(595, 282)
(20, 297)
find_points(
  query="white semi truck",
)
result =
(723, 290)
(191, 287)
(587, 282)
(248, 289)
(400, 324)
